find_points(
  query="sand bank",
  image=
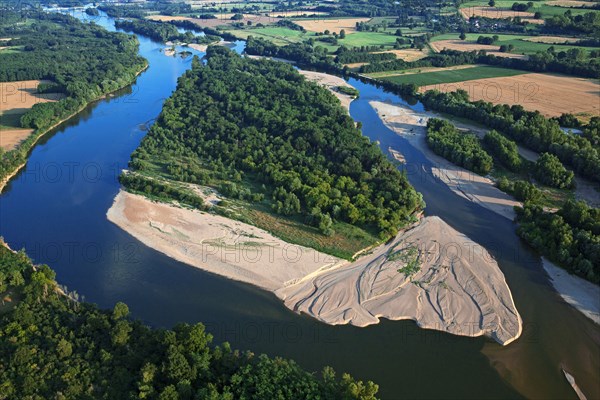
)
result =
(331, 82)
(456, 286)
(581, 294)
(411, 125)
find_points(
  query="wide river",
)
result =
(56, 209)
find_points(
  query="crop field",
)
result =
(331, 24)
(452, 75)
(550, 94)
(15, 99)
(368, 39)
(522, 44)
(502, 8)
(278, 35)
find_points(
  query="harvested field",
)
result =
(461, 45)
(332, 24)
(18, 97)
(552, 95)
(409, 55)
(551, 39)
(493, 12)
(11, 138)
(570, 3)
(294, 14)
(15, 99)
(222, 19)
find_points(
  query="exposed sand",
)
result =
(331, 82)
(552, 39)
(331, 24)
(458, 287)
(463, 45)
(476, 188)
(198, 47)
(550, 94)
(493, 12)
(581, 294)
(574, 385)
(216, 244)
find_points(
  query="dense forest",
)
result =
(463, 149)
(55, 347)
(527, 127)
(163, 31)
(260, 125)
(569, 237)
(83, 61)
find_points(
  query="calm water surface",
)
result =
(56, 209)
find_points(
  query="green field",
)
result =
(452, 76)
(278, 35)
(368, 39)
(521, 46)
(541, 6)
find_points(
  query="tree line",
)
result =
(527, 127)
(571, 62)
(57, 347)
(163, 31)
(259, 122)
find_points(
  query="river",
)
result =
(56, 207)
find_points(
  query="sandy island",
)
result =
(457, 286)
(412, 125)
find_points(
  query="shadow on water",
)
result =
(63, 222)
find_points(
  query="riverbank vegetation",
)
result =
(83, 62)
(163, 32)
(570, 236)
(285, 143)
(57, 347)
(460, 148)
(526, 127)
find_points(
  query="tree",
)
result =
(462, 36)
(343, 34)
(492, 3)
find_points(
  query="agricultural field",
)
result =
(502, 8)
(222, 20)
(409, 54)
(452, 75)
(522, 44)
(278, 35)
(331, 24)
(15, 99)
(368, 39)
(550, 94)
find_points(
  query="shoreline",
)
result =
(41, 134)
(576, 291)
(466, 295)
(478, 189)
